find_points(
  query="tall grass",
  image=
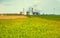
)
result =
(35, 27)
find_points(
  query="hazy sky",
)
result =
(15, 6)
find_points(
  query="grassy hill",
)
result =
(31, 27)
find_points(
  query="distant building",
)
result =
(21, 13)
(27, 13)
(36, 13)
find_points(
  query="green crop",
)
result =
(32, 27)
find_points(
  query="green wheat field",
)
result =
(31, 27)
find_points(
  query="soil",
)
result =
(12, 17)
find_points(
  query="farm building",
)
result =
(28, 12)
(21, 13)
(36, 13)
(33, 12)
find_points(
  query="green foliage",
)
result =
(35, 27)
(48, 17)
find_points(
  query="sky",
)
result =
(16, 6)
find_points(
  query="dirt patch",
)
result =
(12, 17)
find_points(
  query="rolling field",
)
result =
(31, 27)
